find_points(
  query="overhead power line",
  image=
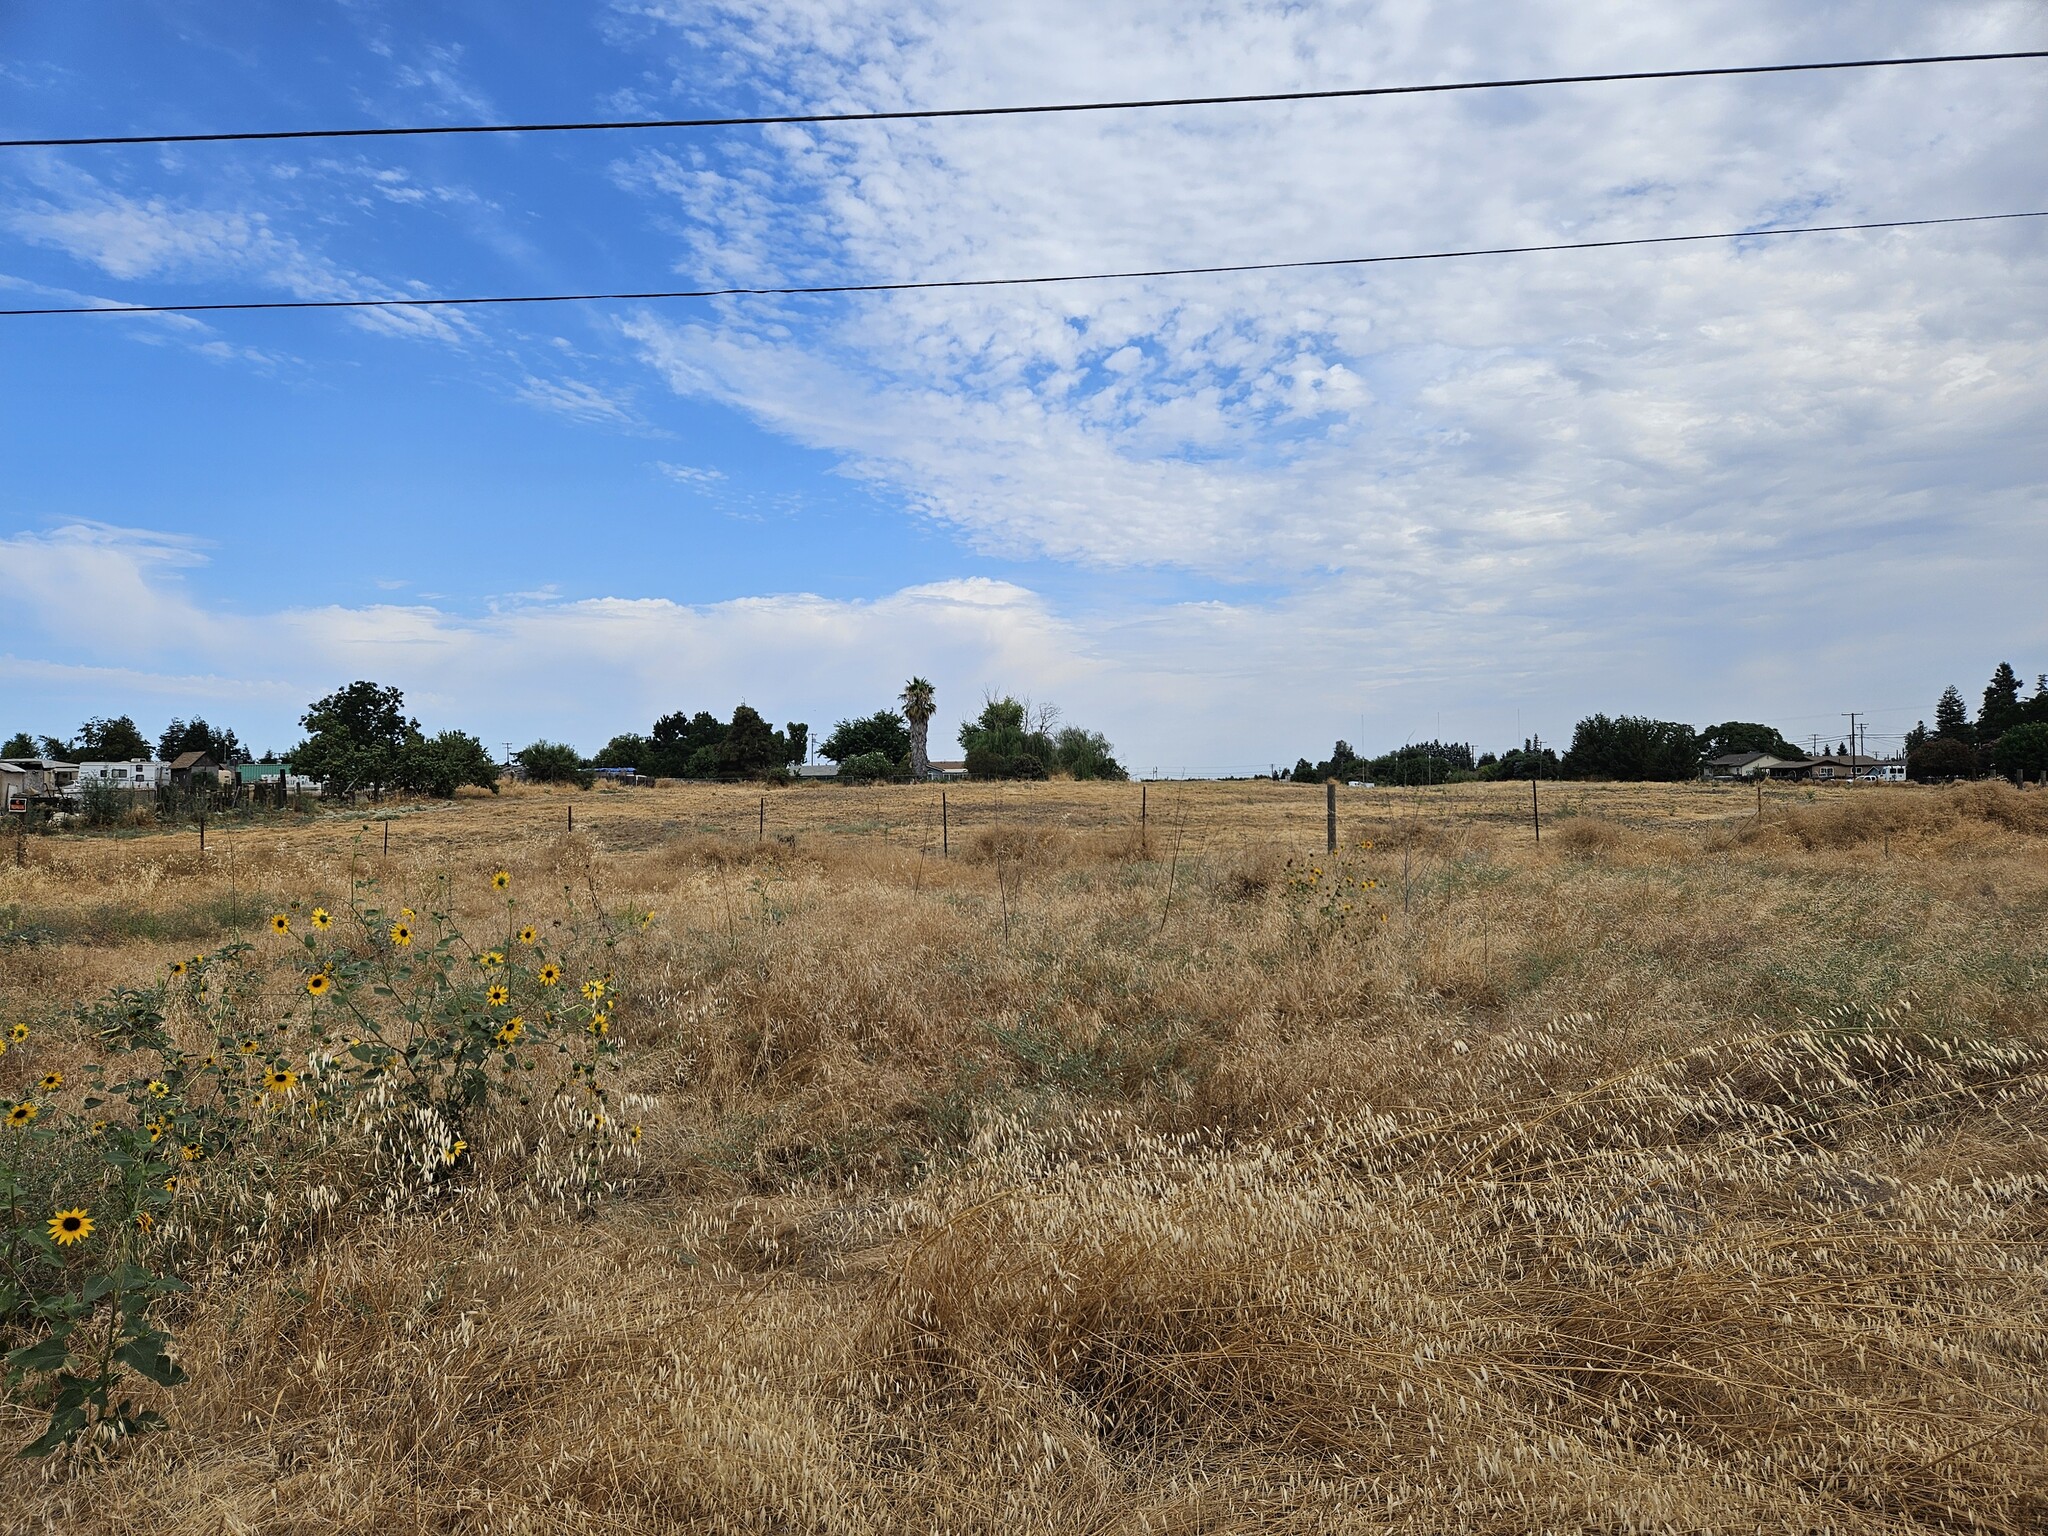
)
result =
(765, 120)
(928, 284)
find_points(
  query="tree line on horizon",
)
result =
(2008, 736)
(359, 737)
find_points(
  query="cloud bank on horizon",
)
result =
(1226, 518)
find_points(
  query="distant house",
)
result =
(187, 767)
(1836, 767)
(1743, 765)
(135, 774)
(948, 770)
(817, 770)
(13, 788)
(36, 778)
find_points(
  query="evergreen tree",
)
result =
(2001, 709)
(1952, 717)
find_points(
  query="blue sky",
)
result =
(1223, 519)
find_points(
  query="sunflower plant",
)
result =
(362, 1058)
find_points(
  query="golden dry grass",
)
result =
(1683, 1173)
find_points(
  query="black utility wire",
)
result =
(910, 115)
(793, 290)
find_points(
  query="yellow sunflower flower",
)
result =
(23, 1114)
(529, 935)
(593, 989)
(177, 967)
(158, 1088)
(511, 1030)
(279, 923)
(52, 1081)
(548, 974)
(501, 879)
(19, 1032)
(192, 1151)
(321, 917)
(280, 1080)
(499, 995)
(250, 1046)
(68, 1227)
(401, 935)
(319, 983)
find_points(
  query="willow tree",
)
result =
(918, 709)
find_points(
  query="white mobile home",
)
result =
(132, 774)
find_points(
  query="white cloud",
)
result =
(152, 236)
(689, 474)
(1186, 685)
(578, 400)
(1710, 425)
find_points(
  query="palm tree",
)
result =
(918, 709)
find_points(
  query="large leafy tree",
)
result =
(1941, 757)
(1732, 736)
(1086, 755)
(555, 762)
(1000, 745)
(442, 763)
(109, 741)
(884, 731)
(20, 744)
(355, 737)
(684, 746)
(919, 705)
(2022, 749)
(628, 750)
(751, 747)
(1632, 747)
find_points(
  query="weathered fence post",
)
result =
(1535, 813)
(572, 818)
(202, 831)
(945, 829)
(761, 822)
(1330, 815)
(387, 837)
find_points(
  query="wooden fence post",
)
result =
(1330, 815)
(1535, 813)
(945, 829)
(761, 822)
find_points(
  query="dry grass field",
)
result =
(1685, 1172)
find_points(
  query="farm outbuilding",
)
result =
(187, 767)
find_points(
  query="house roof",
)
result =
(191, 760)
(36, 764)
(1738, 759)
